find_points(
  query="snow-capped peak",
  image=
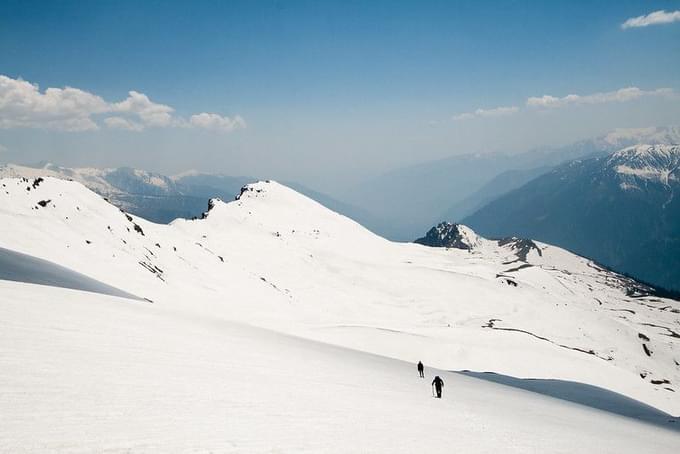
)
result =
(268, 206)
(659, 163)
(656, 154)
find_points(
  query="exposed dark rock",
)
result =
(671, 333)
(517, 268)
(138, 229)
(211, 205)
(521, 246)
(449, 235)
(244, 189)
(153, 269)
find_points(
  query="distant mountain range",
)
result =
(157, 197)
(622, 210)
(162, 199)
(579, 196)
(409, 200)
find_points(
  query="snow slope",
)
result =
(278, 260)
(105, 374)
(18, 267)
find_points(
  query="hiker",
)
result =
(438, 383)
(421, 369)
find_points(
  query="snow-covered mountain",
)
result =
(639, 165)
(161, 198)
(408, 200)
(535, 163)
(276, 259)
(154, 196)
(106, 182)
(620, 209)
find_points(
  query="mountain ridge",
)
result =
(619, 209)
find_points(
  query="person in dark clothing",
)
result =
(438, 384)
(421, 369)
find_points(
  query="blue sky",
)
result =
(331, 91)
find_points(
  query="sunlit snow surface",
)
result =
(103, 374)
(91, 372)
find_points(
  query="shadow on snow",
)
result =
(18, 267)
(583, 394)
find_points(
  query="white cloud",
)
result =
(553, 102)
(655, 18)
(621, 95)
(495, 112)
(149, 113)
(122, 123)
(2, 148)
(23, 105)
(216, 122)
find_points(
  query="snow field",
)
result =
(278, 260)
(83, 372)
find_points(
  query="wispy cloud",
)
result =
(217, 122)
(655, 18)
(495, 112)
(122, 123)
(621, 95)
(549, 102)
(23, 105)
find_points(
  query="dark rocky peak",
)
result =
(211, 205)
(450, 235)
